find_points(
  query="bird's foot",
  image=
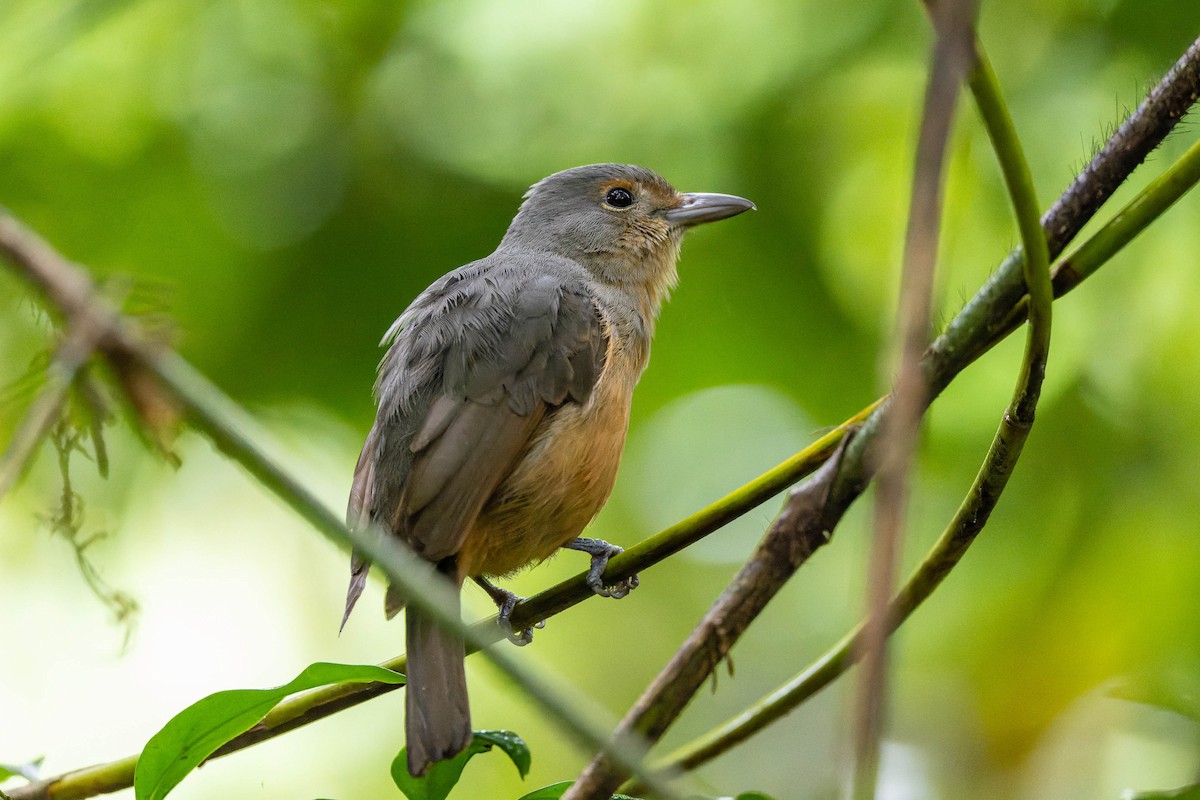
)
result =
(505, 602)
(601, 551)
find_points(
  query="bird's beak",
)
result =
(699, 208)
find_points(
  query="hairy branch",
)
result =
(975, 510)
(976, 324)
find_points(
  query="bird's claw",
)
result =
(505, 602)
(504, 607)
(623, 587)
(519, 639)
(601, 551)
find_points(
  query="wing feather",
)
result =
(475, 365)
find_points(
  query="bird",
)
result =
(503, 402)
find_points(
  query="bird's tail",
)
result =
(438, 718)
(359, 567)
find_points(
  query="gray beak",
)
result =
(700, 207)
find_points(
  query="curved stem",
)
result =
(1019, 181)
(989, 482)
(1070, 271)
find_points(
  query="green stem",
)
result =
(989, 482)
(214, 414)
(1017, 178)
(1131, 220)
(1154, 200)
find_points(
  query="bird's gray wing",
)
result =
(511, 357)
(477, 363)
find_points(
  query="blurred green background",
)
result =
(281, 178)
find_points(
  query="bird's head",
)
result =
(623, 223)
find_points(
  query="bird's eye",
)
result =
(619, 197)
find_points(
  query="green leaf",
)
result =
(1185, 793)
(557, 790)
(753, 796)
(195, 733)
(512, 745)
(551, 792)
(1173, 691)
(28, 771)
(442, 777)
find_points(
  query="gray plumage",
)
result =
(474, 364)
(503, 401)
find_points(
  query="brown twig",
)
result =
(157, 381)
(986, 318)
(92, 324)
(952, 56)
(980, 324)
(46, 408)
(795, 535)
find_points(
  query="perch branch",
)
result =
(1149, 204)
(72, 293)
(973, 331)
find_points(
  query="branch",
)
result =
(793, 537)
(974, 512)
(1126, 224)
(155, 376)
(951, 58)
(948, 355)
